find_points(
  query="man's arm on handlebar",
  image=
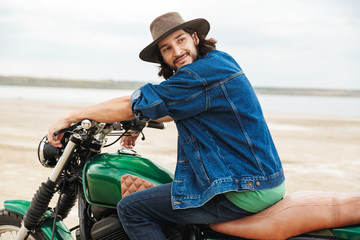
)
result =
(115, 110)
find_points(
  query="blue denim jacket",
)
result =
(224, 143)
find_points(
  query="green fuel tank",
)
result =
(102, 174)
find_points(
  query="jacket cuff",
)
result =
(134, 97)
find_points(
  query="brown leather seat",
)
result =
(298, 213)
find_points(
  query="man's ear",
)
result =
(195, 38)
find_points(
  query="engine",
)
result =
(108, 228)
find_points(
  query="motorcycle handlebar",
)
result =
(72, 127)
(138, 125)
(152, 124)
(134, 124)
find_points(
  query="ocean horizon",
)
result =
(292, 104)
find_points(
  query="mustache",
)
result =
(179, 57)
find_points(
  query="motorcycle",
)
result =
(98, 181)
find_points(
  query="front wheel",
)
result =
(10, 224)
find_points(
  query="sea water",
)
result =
(336, 106)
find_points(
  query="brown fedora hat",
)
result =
(166, 24)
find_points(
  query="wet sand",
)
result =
(318, 152)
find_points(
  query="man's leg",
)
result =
(142, 213)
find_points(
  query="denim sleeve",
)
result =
(182, 96)
(135, 96)
(133, 99)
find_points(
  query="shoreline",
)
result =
(27, 81)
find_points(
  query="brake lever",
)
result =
(70, 128)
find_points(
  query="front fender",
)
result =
(61, 231)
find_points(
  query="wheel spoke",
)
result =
(8, 232)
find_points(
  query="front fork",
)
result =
(43, 196)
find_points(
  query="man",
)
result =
(227, 166)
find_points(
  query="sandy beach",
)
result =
(318, 152)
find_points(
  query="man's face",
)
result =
(179, 49)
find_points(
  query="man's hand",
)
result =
(59, 125)
(128, 141)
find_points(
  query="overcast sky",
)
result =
(281, 43)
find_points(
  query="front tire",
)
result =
(10, 224)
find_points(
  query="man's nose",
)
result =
(177, 51)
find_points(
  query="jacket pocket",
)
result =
(192, 152)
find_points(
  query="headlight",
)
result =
(48, 154)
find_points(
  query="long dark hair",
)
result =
(205, 46)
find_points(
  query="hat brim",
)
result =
(150, 52)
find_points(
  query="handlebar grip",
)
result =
(72, 127)
(152, 124)
(139, 125)
(60, 132)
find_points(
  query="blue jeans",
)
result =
(142, 213)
